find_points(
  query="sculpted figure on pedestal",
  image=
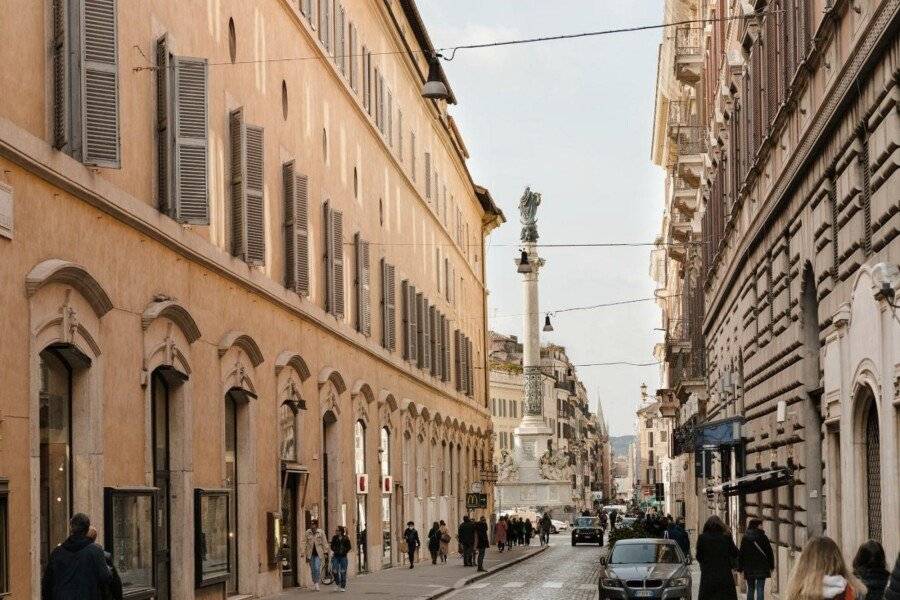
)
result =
(554, 465)
(507, 470)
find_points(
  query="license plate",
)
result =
(644, 593)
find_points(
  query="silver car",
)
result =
(645, 568)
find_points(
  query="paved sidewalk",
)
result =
(424, 582)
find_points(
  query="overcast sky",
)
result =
(572, 119)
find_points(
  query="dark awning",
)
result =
(756, 482)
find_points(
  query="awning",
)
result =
(750, 484)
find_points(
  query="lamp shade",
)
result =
(547, 325)
(435, 88)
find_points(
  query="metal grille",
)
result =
(873, 473)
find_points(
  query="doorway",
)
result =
(330, 479)
(289, 499)
(161, 440)
(231, 483)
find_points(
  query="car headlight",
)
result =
(678, 582)
(611, 583)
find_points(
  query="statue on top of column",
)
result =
(528, 205)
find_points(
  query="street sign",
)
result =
(476, 501)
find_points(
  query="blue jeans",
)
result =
(339, 567)
(315, 565)
(758, 584)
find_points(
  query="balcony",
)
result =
(688, 54)
(691, 152)
(685, 194)
(680, 227)
(681, 115)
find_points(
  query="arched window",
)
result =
(873, 471)
(359, 446)
(386, 536)
(443, 468)
(362, 516)
(55, 451)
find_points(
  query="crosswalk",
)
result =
(551, 585)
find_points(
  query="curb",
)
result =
(461, 583)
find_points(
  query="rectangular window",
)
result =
(296, 229)
(182, 136)
(389, 126)
(445, 346)
(457, 359)
(306, 9)
(374, 108)
(365, 79)
(212, 524)
(408, 300)
(4, 537)
(247, 207)
(352, 58)
(400, 135)
(434, 340)
(129, 536)
(340, 39)
(420, 329)
(388, 307)
(334, 261)
(86, 81)
(363, 297)
(325, 23)
(412, 154)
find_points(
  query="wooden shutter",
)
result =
(255, 212)
(427, 312)
(61, 71)
(238, 184)
(471, 366)
(445, 333)
(351, 57)
(363, 300)
(405, 314)
(420, 329)
(388, 304)
(191, 203)
(163, 133)
(428, 175)
(334, 261)
(771, 64)
(412, 324)
(296, 229)
(99, 84)
(435, 329)
(457, 359)
(340, 39)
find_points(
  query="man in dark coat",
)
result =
(466, 536)
(76, 569)
(481, 541)
(756, 559)
(411, 537)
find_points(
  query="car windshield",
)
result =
(644, 553)
(586, 522)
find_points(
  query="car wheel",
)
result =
(574, 543)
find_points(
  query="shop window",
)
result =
(129, 537)
(212, 542)
(4, 538)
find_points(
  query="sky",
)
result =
(572, 119)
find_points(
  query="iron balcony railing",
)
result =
(687, 41)
(680, 114)
(690, 140)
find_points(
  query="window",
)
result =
(284, 100)
(86, 81)
(419, 318)
(4, 537)
(408, 299)
(400, 135)
(231, 501)
(386, 537)
(334, 261)
(287, 424)
(412, 154)
(129, 536)
(340, 40)
(352, 58)
(296, 229)
(427, 175)
(232, 41)
(212, 527)
(55, 451)
(247, 206)
(359, 447)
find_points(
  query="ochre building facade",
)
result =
(243, 287)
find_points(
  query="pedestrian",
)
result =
(604, 519)
(821, 572)
(445, 542)
(76, 569)
(717, 556)
(500, 533)
(466, 536)
(870, 567)
(677, 532)
(434, 541)
(892, 591)
(546, 526)
(340, 546)
(482, 542)
(411, 537)
(529, 531)
(613, 517)
(315, 549)
(756, 559)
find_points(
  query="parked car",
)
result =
(559, 526)
(645, 568)
(587, 529)
(626, 521)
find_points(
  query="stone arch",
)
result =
(243, 341)
(410, 407)
(171, 309)
(330, 374)
(56, 270)
(866, 418)
(388, 398)
(361, 388)
(425, 413)
(293, 360)
(438, 418)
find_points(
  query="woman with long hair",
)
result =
(434, 541)
(870, 566)
(821, 574)
(717, 556)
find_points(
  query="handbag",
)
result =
(445, 538)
